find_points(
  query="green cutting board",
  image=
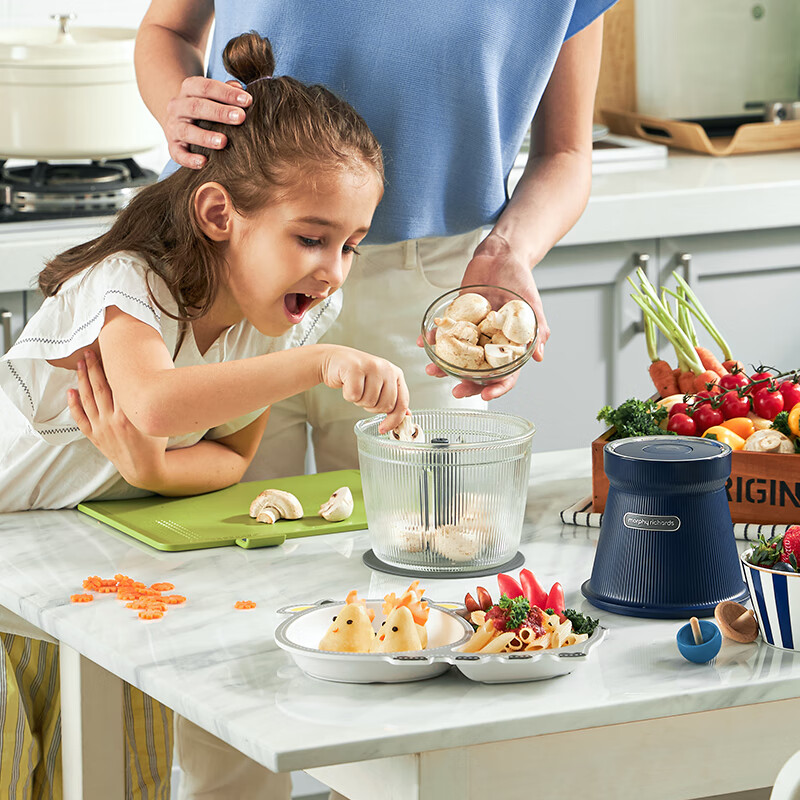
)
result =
(222, 518)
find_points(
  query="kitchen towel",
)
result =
(580, 513)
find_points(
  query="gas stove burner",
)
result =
(56, 190)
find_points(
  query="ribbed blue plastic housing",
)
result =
(666, 546)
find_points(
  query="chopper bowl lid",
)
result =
(668, 461)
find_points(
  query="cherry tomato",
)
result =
(791, 393)
(735, 406)
(682, 424)
(759, 380)
(733, 380)
(767, 403)
(705, 416)
(678, 408)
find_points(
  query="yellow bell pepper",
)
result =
(726, 435)
(794, 420)
(741, 426)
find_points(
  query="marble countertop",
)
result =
(691, 194)
(220, 667)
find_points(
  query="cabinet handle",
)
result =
(641, 261)
(5, 321)
(685, 263)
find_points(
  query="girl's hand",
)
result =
(372, 383)
(137, 457)
(202, 99)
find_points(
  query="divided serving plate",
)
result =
(305, 625)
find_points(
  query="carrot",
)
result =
(686, 382)
(244, 605)
(663, 378)
(710, 361)
(151, 614)
(732, 365)
(81, 598)
(709, 376)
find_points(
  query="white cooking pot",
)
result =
(68, 93)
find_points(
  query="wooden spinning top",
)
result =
(736, 622)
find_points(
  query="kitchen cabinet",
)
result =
(748, 281)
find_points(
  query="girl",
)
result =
(194, 305)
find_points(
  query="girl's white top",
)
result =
(45, 461)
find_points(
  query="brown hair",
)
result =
(291, 130)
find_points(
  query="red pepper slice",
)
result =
(508, 586)
(555, 599)
(533, 591)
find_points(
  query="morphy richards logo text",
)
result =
(650, 522)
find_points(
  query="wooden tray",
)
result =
(763, 487)
(752, 137)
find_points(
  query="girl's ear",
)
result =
(214, 211)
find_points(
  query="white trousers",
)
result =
(385, 296)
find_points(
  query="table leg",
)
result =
(92, 746)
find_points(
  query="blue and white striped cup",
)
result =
(776, 601)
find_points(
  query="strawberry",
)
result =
(790, 552)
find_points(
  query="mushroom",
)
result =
(470, 307)
(490, 325)
(483, 340)
(339, 505)
(460, 328)
(459, 353)
(274, 504)
(768, 441)
(736, 622)
(518, 321)
(408, 431)
(498, 355)
(501, 338)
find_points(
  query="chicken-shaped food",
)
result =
(411, 599)
(398, 633)
(351, 629)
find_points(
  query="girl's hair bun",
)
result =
(248, 57)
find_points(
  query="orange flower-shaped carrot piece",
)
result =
(107, 589)
(81, 598)
(173, 599)
(151, 613)
(352, 597)
(92, 583)
(137, 605)
(412, 599)
(162, 587)
(126, 595)
(243, 605)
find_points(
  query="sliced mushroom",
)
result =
(490, 325)
(274, 504)
(339, 506)
(498, 355)
(470, 307)
(518, 321)
(408, 431)
(459, 353)
(483, 340)
(460, 328)
(501, 338)
(769, 441)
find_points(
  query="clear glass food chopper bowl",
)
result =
(454, 502)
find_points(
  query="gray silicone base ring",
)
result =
(373, 562)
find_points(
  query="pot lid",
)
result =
(61, 44)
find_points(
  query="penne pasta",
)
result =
(540, 643)
(499, 643)
(480, 638)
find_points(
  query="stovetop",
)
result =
(58, 190)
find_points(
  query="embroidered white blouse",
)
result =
(45, 461)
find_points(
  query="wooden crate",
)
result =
(763, 487)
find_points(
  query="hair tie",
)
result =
(262, 78)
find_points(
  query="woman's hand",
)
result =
(202, 99)
(494, 263)
(372, 383)
(139, 458)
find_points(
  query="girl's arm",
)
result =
(169, 58)
(161, 400)
(142, 460)
(553, 190)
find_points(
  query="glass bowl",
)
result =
(497, 297)
(453, 503)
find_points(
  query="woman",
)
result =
(449, 89)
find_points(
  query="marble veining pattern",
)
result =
(220, 667)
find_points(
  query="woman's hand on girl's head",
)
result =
(370, 382)
(138, 458)
(202, 99)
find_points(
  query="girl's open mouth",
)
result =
(296, 304)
